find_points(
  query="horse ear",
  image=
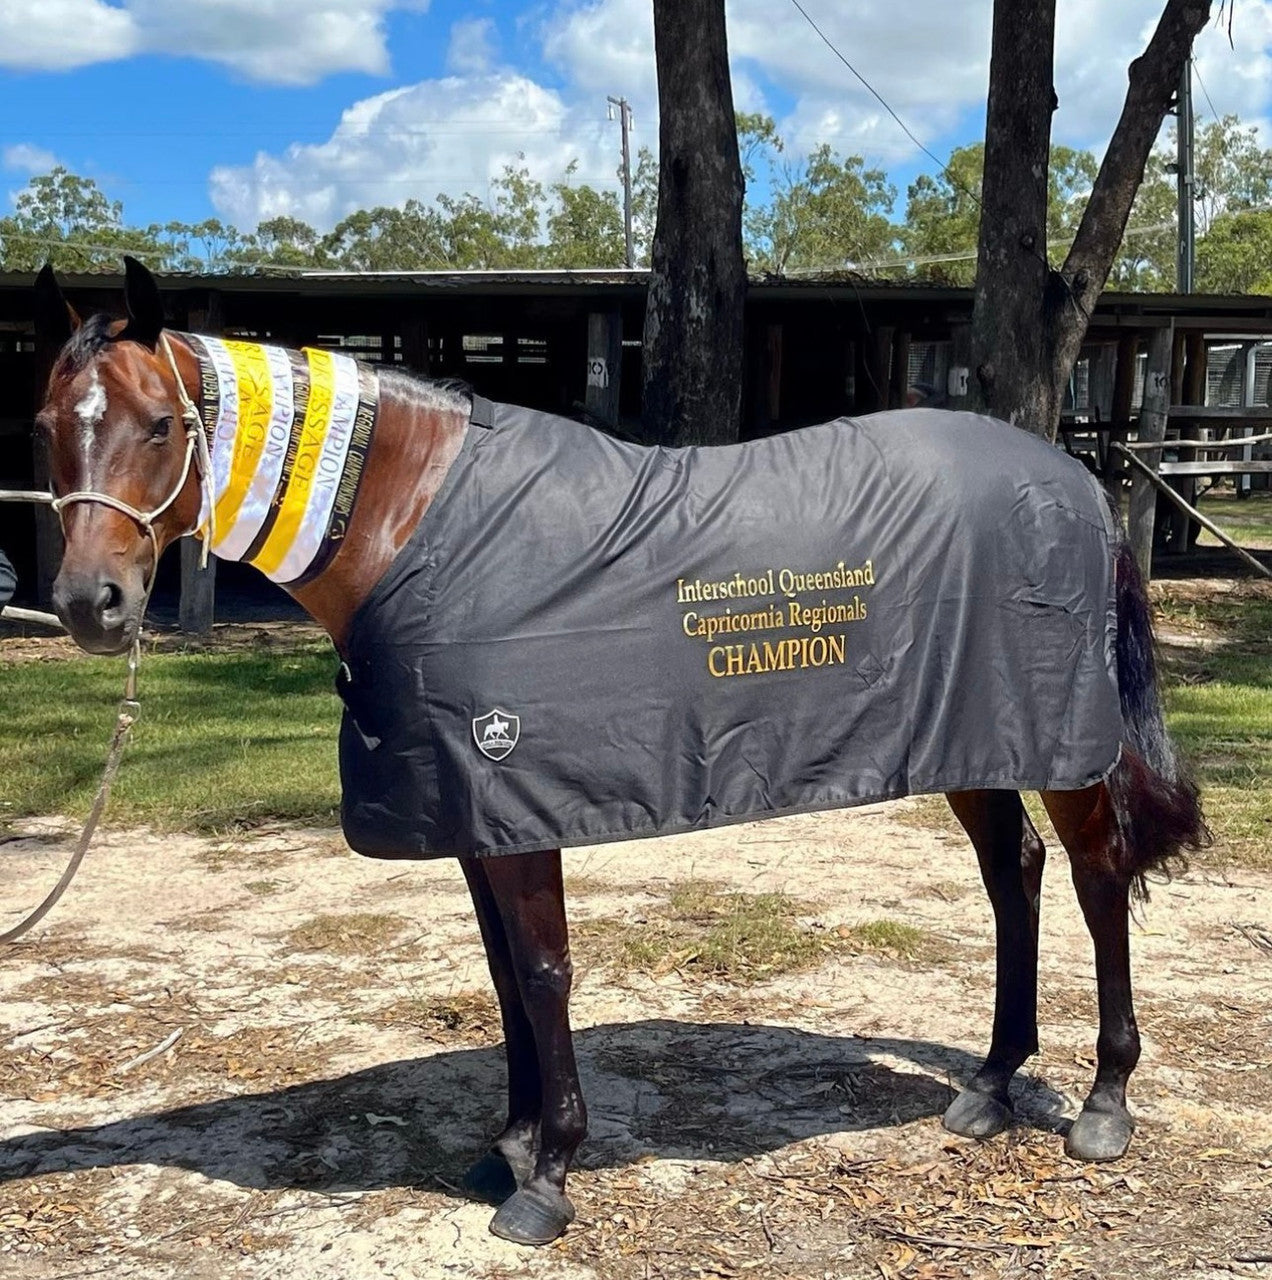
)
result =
(55, 318)
(145, 305)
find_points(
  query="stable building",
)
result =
(569, 342)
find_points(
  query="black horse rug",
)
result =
(587, 640)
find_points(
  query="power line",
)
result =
(969, 255)
(905, 128)
(944, 168)
(1205, 91)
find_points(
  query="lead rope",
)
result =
(129, 711)
(129, 706)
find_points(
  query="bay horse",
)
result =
(129, 481)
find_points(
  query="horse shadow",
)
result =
(660, 1087)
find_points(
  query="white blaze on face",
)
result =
(90, 411)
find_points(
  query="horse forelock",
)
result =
(86, 344)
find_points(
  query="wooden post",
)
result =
(958, 381)
(415, 344)
(1249, 373)
(1151, 428)
(1194, 392)
(899, 385)
(773, 383)
(48, 531)
(604, 365)
(879, 368)
(196, 604)
(1103, 375)
(1124, 382)
(196, 610)
(850, 376)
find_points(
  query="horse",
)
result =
(131, 472)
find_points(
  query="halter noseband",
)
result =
(196, 451)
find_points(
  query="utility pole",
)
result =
(1185, 181)
(625, 118)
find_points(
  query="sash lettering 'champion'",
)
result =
(289, 436)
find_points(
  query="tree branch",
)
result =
(1154, 79)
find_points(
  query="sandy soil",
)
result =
(337, 1064)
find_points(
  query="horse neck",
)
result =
(397, 468)
(418, 435)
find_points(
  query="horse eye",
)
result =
(161, 428)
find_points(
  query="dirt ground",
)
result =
(330, 1062)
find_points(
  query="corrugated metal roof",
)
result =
(631, 283)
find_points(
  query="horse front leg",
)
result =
(1011, 856)
(528, 895)
(510, 1161)
(1085, 823)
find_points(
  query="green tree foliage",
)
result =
(585, 229)
(942, 217)
(382, 239)
(285, 241)
(1233, 180)
(69, 221)
(943, 211)
(827, 213)
(1146, 260)
(644, 204)
(1235, 255)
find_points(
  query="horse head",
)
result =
(119, 452)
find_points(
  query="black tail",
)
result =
(1155, 800)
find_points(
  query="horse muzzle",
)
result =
(101, 612)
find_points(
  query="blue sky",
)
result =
(241, 109)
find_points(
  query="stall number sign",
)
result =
(598, 372)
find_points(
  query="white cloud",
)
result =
(452, 135)
(472, 47)
(25, 157)
(455, 134)
(932, 68)
(275, 41)
(57, 35)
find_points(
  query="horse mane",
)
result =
(422, 392)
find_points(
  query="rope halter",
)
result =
(196, 452)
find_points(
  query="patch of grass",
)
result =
(705, 930)
(1247, 520)
(223, 738)
(353, 933)
(1219, 709)
(263, 888)
(927, 813)
(893, 938)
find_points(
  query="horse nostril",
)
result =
(109, 600)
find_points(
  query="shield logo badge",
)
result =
(496, 733)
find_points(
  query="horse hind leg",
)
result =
(1011, 856)
(510, 1161)
(1087, 826)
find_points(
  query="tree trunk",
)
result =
(1009, 329)
(692, 379)
(1029, 320)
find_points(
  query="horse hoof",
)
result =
(1100, 1135)
(491, 1179)
(532, 1216)
(977, 1115)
